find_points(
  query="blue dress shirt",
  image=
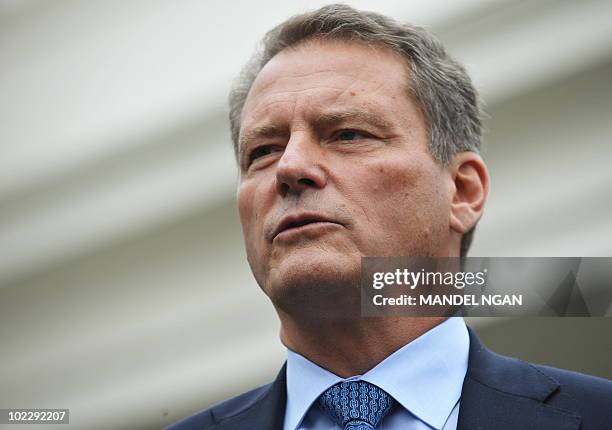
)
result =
(425, 377)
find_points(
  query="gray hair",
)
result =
(439, 85)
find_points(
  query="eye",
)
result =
(350, 135)
(262, 151)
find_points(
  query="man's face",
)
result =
(334, 166)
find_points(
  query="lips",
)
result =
(300, 220)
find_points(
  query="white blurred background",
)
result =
(124, 290)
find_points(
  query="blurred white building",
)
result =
(124, 290)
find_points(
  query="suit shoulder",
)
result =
(211, 417)
(580, 384)
(591, 395)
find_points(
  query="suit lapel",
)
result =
(268, 413)
(507, 394)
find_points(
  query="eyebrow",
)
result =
(328, 119)
(264, 131)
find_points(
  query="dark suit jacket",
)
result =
(498, 393)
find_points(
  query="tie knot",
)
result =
(356, 405)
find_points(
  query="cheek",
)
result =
(394, 184)
(408, 197)
(255, 201)
(244, 201)
(249, 211)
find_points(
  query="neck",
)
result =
(332, 344)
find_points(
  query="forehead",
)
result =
(316, 75)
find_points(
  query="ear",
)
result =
(471, 185)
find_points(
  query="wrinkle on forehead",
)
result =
(324, 95)
(345, 78)
(265, 83)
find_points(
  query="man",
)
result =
(357, 136)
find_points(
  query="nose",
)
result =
(299, 168)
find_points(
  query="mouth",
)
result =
(303, 221)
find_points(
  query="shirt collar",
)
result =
(425, 376)
(305, 383)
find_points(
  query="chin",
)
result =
(315, 282)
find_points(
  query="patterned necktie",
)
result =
(356, 405)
